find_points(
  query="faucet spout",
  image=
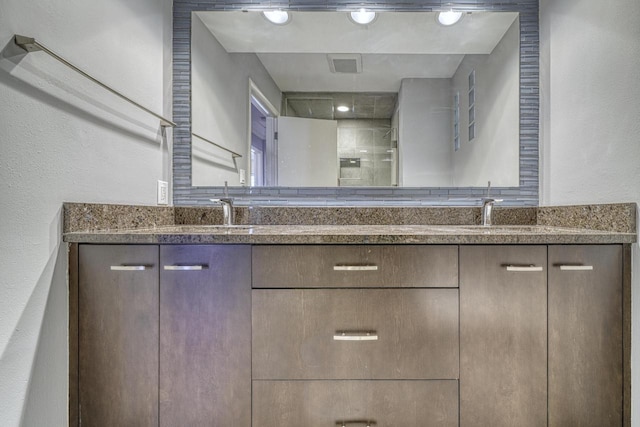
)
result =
(487, 209)
(227, 210)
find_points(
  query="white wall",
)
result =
(220, 105)
(65, 139)
(425, 132)
(590, 117)
(493, 155)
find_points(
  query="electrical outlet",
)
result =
(163, 192)
(243, 176)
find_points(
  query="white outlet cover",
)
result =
(163, 192)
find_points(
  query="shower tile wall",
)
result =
(369, 141)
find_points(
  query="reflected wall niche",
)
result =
(525, 194)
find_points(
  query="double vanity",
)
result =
(388, 317)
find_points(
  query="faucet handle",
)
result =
(223, 200)
(491, 200)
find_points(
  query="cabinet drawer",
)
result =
(354, 403)
(314, 266)
(321, 334)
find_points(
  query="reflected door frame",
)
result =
(270, 154)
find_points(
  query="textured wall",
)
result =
(66, 139)
(590, 132)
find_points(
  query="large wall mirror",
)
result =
(320, 109)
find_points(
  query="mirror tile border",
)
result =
(527, 194)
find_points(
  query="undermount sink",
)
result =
(502, 228)
(220, 227)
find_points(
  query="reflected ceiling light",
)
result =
(342, 108)
(448, 18)
(362, 17)
(278, 17)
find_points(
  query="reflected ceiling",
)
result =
(397, 45)
(322, 105)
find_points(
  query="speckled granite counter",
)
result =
(591, 224)
(358, 234)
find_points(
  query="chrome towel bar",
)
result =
(31, 45)
(233, 153)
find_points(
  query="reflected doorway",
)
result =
(263, 159)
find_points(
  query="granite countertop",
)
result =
(354, 234)
(585, 224)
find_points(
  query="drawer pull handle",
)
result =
(355, 267)
(346, 423)
(355, 336)
(576, 267)
(129, 267)
(525, 268)
(185, 267)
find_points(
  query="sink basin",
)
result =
(228, 227)
(505, 229)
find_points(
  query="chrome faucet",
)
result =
(227, 207)
(487, 207)
(227, 210)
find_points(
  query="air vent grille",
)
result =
(345, 63)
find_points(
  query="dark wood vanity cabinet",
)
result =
(118, 332)
(541, 335)
(355, 335)
(205, 336)
(503, 336)
(164, 335)
(585, 336)
(325, 335)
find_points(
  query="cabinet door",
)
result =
(503, 336)
(585, 336)
(205, 336)
(118, 335)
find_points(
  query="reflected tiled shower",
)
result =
(368, 156)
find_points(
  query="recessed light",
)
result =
(448, 18)
(362, 17)
(342, 108)
(278, 17)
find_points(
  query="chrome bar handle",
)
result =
(355, 336)
(355, 268)
(524, 268)
(184, 267)
(576, 267)
(346, 423)
(129, 267)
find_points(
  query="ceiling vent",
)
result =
(350, 63)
